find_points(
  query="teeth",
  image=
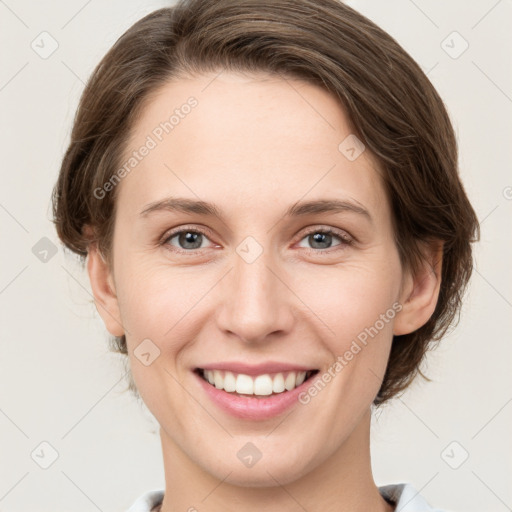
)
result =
(301, 377)
(244, 384)
(229, 382)
(261, 385)
(289, 382)
(218, 380)
(278, 383)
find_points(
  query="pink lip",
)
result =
(252, 408)
(256, 369)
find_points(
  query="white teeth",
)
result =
(229, 382)
(244, 384)
(261, 385)
(301, 377)
(219, 381)
(289, 382)
(278, 383)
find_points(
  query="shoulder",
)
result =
(145, 502)
(407, 498)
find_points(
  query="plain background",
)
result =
(59, 384)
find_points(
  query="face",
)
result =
(261, 284)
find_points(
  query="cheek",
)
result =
(167, 306)
(351, 298)
(152, 299)
(157, 304)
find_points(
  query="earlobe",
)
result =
(104, 292)
(420, 292)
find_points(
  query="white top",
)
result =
(405, 495)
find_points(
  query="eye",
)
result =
(322, 239)
(186, 240)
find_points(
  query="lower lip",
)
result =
(252, 408)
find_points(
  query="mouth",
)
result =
(257, 386)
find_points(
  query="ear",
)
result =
(420, 291)
(103, 289)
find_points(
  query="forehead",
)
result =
(247, 142)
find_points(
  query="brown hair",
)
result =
(393, 107)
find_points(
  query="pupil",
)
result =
(320, 238)
(190, 238)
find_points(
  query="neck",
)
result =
(341, 483)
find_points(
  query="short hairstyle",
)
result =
(391, 105)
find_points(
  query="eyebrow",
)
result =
(298, 209)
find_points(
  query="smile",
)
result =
(254, 392)
(263, 385)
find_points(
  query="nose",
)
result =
(256, 303)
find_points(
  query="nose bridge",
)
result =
(254, 298)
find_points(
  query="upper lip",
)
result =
(255, 369)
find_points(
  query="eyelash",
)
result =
(345, 239)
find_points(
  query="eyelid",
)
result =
(345, 237)
(174, 231)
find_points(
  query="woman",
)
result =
(267, 197)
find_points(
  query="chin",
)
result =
(276, 468)
(266, 476)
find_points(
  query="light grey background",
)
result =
(60, 385)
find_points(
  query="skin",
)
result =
(254, 145)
